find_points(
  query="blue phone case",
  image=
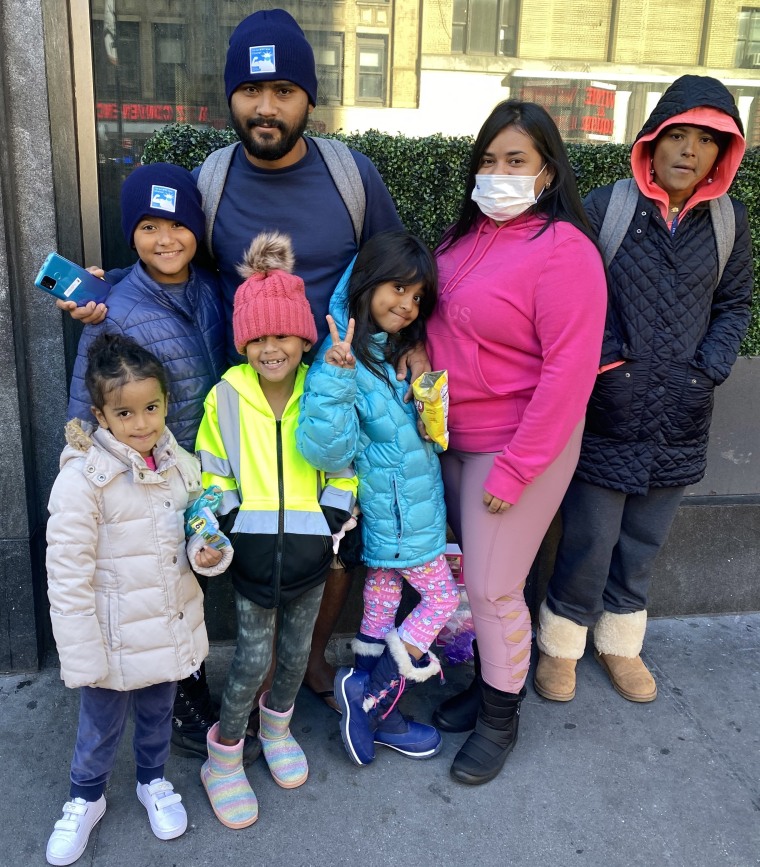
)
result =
(70, 282)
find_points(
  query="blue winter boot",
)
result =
(368, 695)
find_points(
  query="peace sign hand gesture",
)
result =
(339, 354)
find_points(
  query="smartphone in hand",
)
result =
(70, 282)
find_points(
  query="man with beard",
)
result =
(277, 179)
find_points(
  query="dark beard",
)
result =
(271, 151)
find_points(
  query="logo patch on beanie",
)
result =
(163, 198)
(261, 59)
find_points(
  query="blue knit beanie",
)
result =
(270, 46)
(161, 190)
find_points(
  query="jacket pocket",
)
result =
(609, 412)
(112, 620)
(398, 518)
(689, 414)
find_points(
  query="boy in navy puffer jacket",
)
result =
(167, 305)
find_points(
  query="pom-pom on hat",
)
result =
(270, 46)
(272, 300)
(161, 190)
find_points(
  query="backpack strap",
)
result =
(622, 207)
(617, 219)
(210, 183)
(724, 227)
(345, 174)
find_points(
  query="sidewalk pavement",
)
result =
(596, 782)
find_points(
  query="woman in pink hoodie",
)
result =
(519, 328)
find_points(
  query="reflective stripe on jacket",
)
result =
(280, 510)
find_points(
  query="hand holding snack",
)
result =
(431, 397)
(201, 521)
(339, 354)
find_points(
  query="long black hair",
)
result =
(397, 257)
(113, 360)
(560, 202)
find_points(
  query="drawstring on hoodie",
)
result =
(450, 283)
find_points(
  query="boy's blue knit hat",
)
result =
(161, 190)
(270, 46)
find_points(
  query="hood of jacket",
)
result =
(107, 458)
(339, 299)
(244, 379)
(697, 100)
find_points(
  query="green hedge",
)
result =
(425, 177)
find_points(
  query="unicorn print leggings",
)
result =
(382, 595)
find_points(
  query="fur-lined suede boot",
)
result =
(460, 712)
(618, 639)
(368, 699)
(561, 643)
(412, 739)
(483, 754)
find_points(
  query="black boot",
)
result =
(483, 754)
(460, 712)
(194, 714)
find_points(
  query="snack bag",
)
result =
(200, 519)
(431, 397)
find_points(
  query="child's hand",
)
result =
(208, 557)
(339, 354)
(89, 313)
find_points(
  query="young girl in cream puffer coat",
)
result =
(126, 609)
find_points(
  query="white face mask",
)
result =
(503, 197)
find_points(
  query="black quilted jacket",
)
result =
(648, 420)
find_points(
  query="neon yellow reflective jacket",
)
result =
(278, 511)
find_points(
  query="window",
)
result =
(121, 80)
(169, 62)
(328, 54)
(371, 54)
(484, 27)
(748, 39)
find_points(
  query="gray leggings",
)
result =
(293, 622)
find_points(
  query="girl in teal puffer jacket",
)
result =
(381, 306)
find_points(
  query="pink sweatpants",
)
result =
(498, 551)
(382, 595)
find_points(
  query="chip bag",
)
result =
(201, 521)
(431, 397)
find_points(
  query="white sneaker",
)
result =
(71, 833)
(168, 818)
